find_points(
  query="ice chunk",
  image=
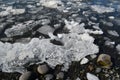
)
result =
(94, 32)
(118, 48)
(111, 17)
(109, 43)
(51, 3)
(21, 28)
(74, 27)
(10, 10)
(113, 33)
(4, 13)
(92, 77)
(102, 9)
(46, 29)
(78, 78)
(17, 11)
(84, 61)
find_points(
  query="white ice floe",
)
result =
(113, 33)
(94, 32)
(102, 9)
(78, 78)
(76, 46)
(92, 77)
(10, 10)
(111, 17)
(51, 3)
(4, 13)
(118, 48)
(74, 27)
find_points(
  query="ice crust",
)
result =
(76, 46)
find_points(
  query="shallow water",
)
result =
(56, 17)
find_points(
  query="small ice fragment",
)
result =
(113, 33)
(102, 9)
(84, 61)
(111, 17)
(92, 77)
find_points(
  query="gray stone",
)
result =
(49, 77)
(25, 76)
(42, 69)
(60, 75)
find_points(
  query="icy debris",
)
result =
(109, 43)
(17, 11)
(96, 26)
(102, 9)
(46, 29)
(118, 48)
(21, 28)
(74, 27)
(2, 27)
(18, 29)
(10, 10)
(84, 61)
(76, 46)
(78, 78)
(92, 77)
(111, 17)
(4, 13)
(113, 33)
(93, 18)
(93, 56)
(94, 32)
(52, 3)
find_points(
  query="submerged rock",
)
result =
(27, 76)
(49, 77)
(104, 60)
(60, 75)
(42, 69)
